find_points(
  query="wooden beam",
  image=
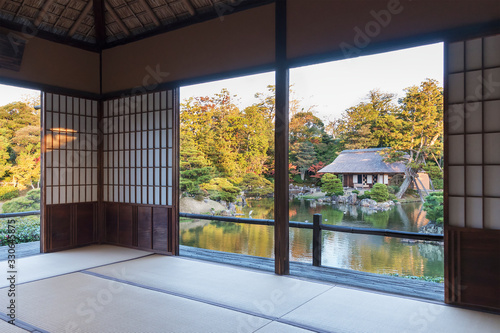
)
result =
(2, 2)
(99, 24)
(281, 196)
(43, 12)
(189, 7)
(150, 12)
(80, 18)
(118, 20)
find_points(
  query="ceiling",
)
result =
(98, 24)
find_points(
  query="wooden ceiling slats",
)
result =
(189, 7)
(117, 19)
(123, 20)
(43, 12)
(79, 20)
(148, 10)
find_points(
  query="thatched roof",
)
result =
(362, 161)
(81, 22)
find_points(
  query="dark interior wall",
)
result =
(46, 63)
(333, 25)
(231, 42)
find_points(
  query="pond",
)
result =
(375, 254)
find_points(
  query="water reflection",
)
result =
(367, 253)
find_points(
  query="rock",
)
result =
(190, 205)
(352, 199)
(367, 203)
(225, 213)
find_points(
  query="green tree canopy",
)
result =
(331, 185)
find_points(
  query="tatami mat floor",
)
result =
(112, 289)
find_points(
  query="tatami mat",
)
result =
(8, 328)
(256, 292)
(57, 263)
(277, 327)
(82, 303)
(345, 310)
(112, 289)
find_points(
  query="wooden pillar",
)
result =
(281, 236)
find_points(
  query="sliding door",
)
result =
(472, 180)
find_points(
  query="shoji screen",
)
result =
(138, 167)
(473, 172)
(70, 171)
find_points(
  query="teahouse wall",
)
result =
(48, 64)
(229, 43)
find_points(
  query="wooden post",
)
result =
(317, 240)
(281, 228)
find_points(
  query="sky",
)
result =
(9, 94)
(335, 86)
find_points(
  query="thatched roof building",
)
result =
(363, 161)
(363, 167)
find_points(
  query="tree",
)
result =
(305, 126)
(422, 132)
(313, 169)
(361, 138)
(331, 185)
(20, 143)
(234, 141)
(4, 156)
(433, 206)
(368, 124)
(379, 193)
(303, 156)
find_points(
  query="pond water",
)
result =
(375, 254)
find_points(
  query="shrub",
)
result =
(221, 189)
(256, 186)
(23, 204)
(393, 189)
(365, 195)
(27, 230)
(438, 184)
(379, 193)
(297, 179)
(8, 192)
(433, 205)
(355, 191)
(331, 185)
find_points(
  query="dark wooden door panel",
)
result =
(480, 268)
(111, 215)
(144, 227)
(85, 215)
(125, 225)
(60, 226)
(160, 228)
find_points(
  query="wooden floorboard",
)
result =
(21, 250)
(388, 284)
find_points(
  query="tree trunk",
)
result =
(418, 191)
(423, 187)
(408, 180)
(432, 184)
